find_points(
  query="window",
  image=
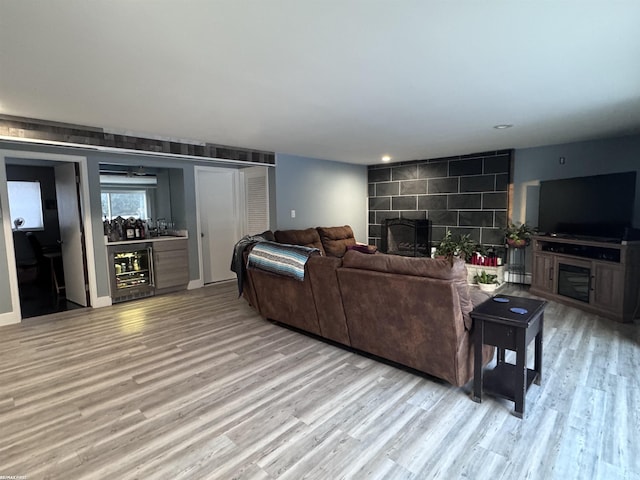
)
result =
(25, 205)
(124, 203)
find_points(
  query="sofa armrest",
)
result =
(478, 296)
(363, 248)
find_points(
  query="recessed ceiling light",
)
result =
(503, 126)
(386, 158)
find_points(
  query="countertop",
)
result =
(162, 238)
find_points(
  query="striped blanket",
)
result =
(279, 258)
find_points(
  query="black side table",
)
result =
(509, 323)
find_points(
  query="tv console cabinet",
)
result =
(596, 276)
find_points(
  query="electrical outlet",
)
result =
(293, 214)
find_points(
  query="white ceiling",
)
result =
(346, 80)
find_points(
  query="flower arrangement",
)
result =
(462, 246)
(518, 236)
(484, 277)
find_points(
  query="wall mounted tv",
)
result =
(595, 206)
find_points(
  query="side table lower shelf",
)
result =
(501, 381)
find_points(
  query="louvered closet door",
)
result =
(256, 185)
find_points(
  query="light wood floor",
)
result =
(196, 385)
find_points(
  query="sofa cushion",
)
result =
(305, 238)
(335, 240)
(440, 268)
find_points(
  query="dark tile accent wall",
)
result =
(20, 127)
(465, 194)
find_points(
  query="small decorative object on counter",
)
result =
(152, 228)
(106, 225)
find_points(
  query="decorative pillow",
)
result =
(305, 238)
(335, 240)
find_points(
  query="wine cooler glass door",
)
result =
(132, 272)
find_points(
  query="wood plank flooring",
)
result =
(195, 385)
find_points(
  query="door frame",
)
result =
(15, 315)
(238, 189)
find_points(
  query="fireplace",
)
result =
(574, 282)
(410, 238)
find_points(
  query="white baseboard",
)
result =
(193, 284)
(9, 318)
(102, 302)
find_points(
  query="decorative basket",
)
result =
(518, 243)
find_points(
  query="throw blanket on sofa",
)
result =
(237, 262)
(281, 259)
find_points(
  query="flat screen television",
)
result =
(595, 206)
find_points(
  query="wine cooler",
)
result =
(131, 271)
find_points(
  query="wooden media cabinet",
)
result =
(598, 276)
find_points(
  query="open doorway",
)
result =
(48, 237)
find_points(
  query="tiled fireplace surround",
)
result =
(465, 194)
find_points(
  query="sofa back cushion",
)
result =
(439, 268)
(335, 240)
(306, 238)
(416, 266)
(413, 320)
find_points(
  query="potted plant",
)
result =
(459, 246)
(518, 236)
(486, 281)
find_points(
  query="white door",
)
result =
(219, 221)
(71, 233)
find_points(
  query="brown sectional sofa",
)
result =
(412, 311)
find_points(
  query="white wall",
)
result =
(323, 193)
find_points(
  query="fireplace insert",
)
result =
(402, 236)
(574, 282)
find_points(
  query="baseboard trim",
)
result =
(193, 284)
(9, 318)
(102, 302)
